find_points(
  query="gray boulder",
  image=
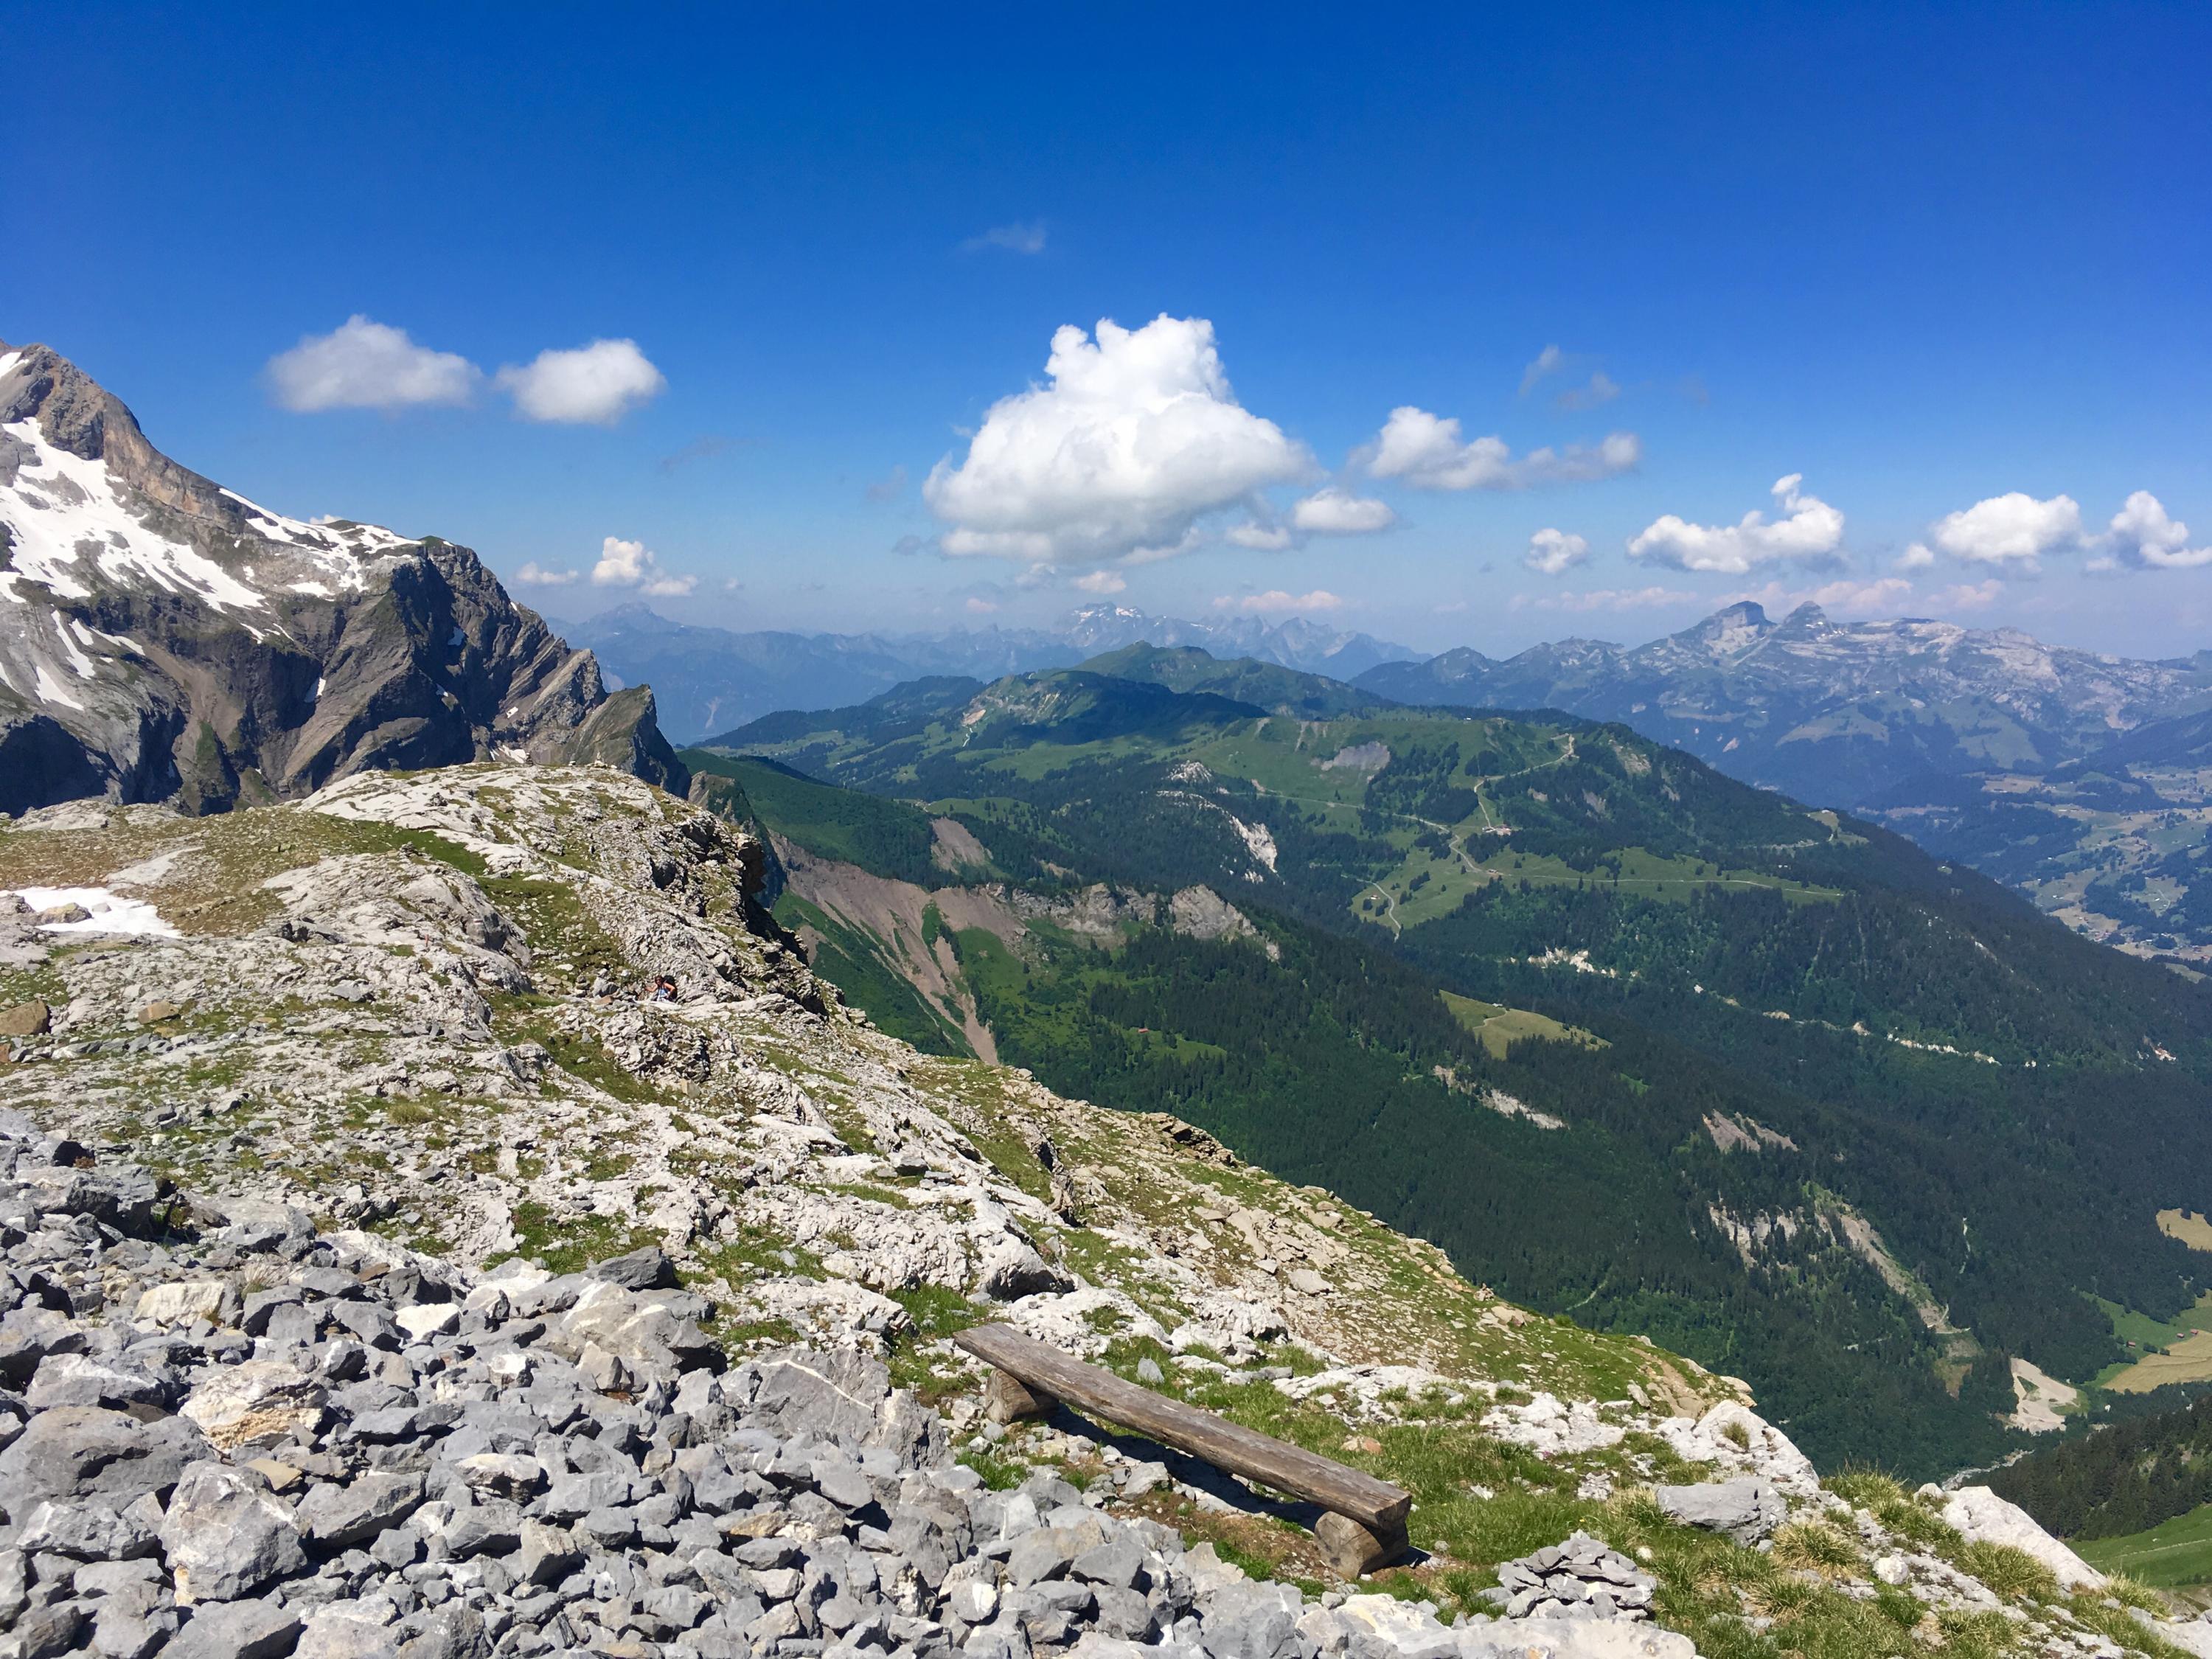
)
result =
(647, 1269)
(1252, 1621)
(29, 1335)
(78, 1379)
(88, 1451)
(1748, 1510)
(227, 1535)
(237, 1630)
(48, 1632)
(87, 1532)
(342, 1516)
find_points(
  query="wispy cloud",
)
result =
(1276, 602)
(1601, 389)
(704, 448)
(1023, 236)
(1881, 594)
(1547, 362)
(1427, 452)
(537, 575)
(1608, 598)
(889, 488)
(1965, 596)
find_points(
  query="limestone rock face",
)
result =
(162, 638)
(1982, 1517)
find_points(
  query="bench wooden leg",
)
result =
(1006, 1399)
(1353, 1550)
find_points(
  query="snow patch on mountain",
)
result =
(104, 912)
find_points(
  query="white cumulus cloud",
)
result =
(1427, 452)
(1276, 602)
(1103, 581)
(2143, 535)
(2013, 530)
(1334, 512)
(363, 364)
(1555, 551)
(537, 575)
(1133, 438)
(1808, 531)
(633, 564)
(593, 384)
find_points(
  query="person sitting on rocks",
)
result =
(663, 989)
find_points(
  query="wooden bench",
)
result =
(1364, 1526)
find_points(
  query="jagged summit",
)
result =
(166, 638)
(1835, 713)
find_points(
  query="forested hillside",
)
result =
(2125, 1478)
(1771, 1085)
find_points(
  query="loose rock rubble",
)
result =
(1579, 1579)
(226, 1435)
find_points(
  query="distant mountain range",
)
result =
(710, 679)
(2081, 779)
(162, 638)
(1837, 713)
(2074, 776)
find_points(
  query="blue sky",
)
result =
(1945, 266)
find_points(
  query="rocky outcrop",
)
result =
(1748, 1510)
(1982, 1517)
(162, 638)
(353, 1450)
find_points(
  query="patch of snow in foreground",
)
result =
(111, 912)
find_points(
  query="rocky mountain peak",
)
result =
(1732, 627)
(167, 639)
